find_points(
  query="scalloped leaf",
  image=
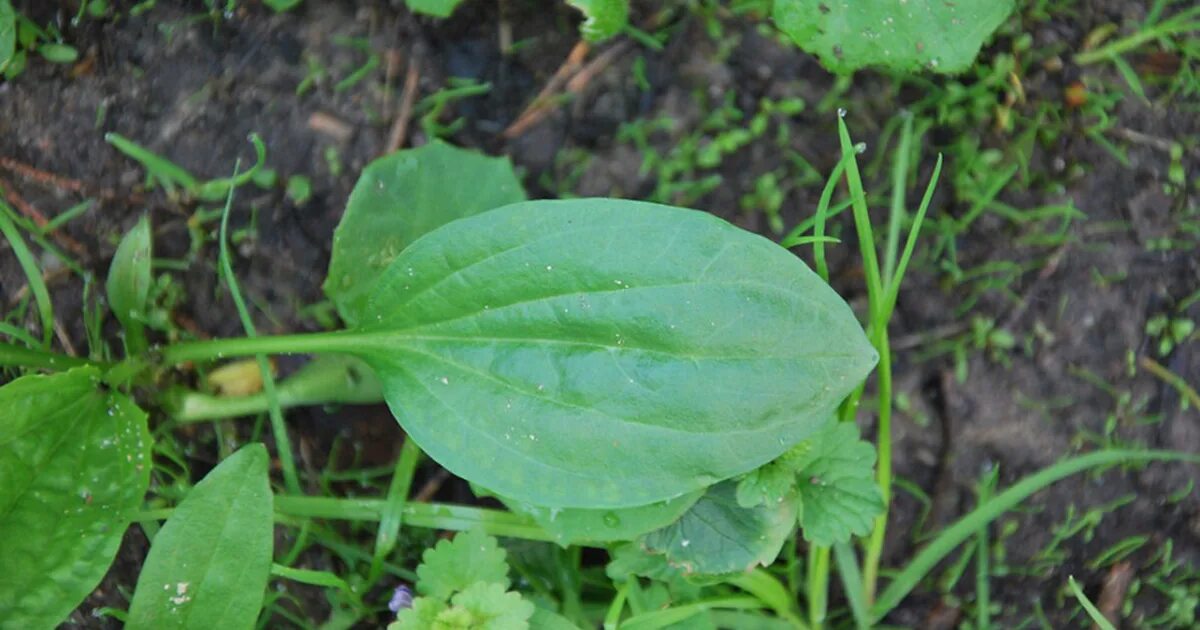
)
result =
(837, 490)
(75, 465)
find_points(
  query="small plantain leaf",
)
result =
(603, 18)
(74, 465)
(436, 8)
(399, 198)
(838, 494)
(909, 36)
(208, 567)
(128, 286)
(571, 526)
(8, 33)
(601, 353)
(718, 536)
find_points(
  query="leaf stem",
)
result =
(304, 343)
(18, 356)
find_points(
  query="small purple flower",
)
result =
(401, 599)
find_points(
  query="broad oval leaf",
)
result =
(399, 198)
(602, 353)
(718, 536)
(572, 526)
(128, 285)
(74, 466)
(602, 18)
(910, 36)
(436, 8)
(208, 567)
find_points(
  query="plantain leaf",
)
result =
(909, 36)
(718, 536)
(402, 196)
(208, 567)
(603, 353)
(74, 465)
(128, 286)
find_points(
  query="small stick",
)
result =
(569, 67)
(40, 176)
(1172, 379)
(407, 99)
(1112, 593)
(40, 220)
(575, 84)
(431, 487)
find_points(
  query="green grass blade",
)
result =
(393, 511)
(33, 274)
(852, 584)
(1101, 621)
(911, 243)
(962, 529)
(160, 168)
(862, 219)
(900, 167)
(819, 218)
(278, 427)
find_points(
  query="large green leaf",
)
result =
(719, 536)
(905, 35)
(208, 567)
(128, 286)
(74, 465)
(571, 526)
(399, 198)
(602, 353)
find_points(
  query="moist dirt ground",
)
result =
(193, 89)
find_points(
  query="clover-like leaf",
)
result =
(838, 494)
(74, 466)
(454, 565)
(718, 536)
(601, 353)
(399, 198)
(208, 566)
(905, 35)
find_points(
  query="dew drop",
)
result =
(611, 519)
(841, 112)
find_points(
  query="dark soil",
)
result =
(194, 90)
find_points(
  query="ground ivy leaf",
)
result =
(771, 484)
(453, 565)
(494, 608)
(399, 198)
(74, 466)
(718, 536)
(838, 493)
(603, 18)
(422, 616)
(571, 526)
(910, 36)
(209, 565)
(599, 353)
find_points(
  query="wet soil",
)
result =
(194, 89)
